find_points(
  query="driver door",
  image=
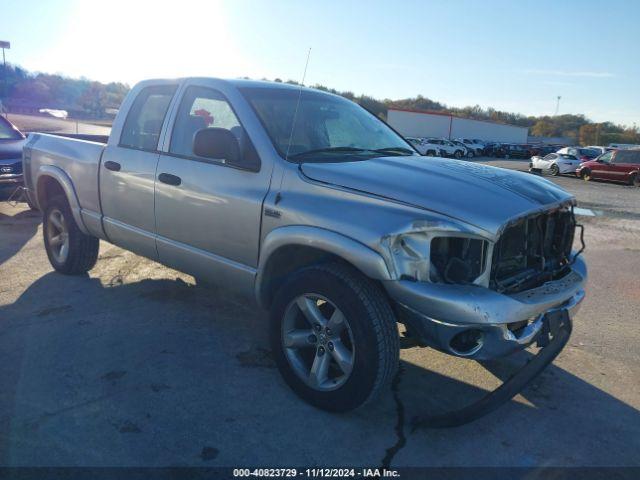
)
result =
(602, 167)
(208, 212)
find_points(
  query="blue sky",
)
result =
(511, 55)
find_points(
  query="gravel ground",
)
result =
(134, 365)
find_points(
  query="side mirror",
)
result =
(217, 143)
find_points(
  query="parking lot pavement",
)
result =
(43, 123)
(134, 365)
(610, 198)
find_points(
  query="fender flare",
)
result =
(368, 261)
(67, 185)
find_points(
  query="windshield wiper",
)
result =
(330, 150)
(400, 150)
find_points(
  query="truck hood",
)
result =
(480, 195)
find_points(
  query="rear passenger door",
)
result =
(208, 215)
(127, 172)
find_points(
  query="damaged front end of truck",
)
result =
(481, 296)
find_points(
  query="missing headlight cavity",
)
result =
(457, 259)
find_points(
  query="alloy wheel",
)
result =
(58, 235)
(318, 342)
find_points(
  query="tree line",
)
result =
(84, 98)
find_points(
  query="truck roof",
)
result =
(236, 82)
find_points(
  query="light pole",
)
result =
(557, 105)
(3, 45)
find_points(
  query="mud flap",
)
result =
(552, 339)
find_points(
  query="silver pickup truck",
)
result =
(317, 209)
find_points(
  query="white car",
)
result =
(583, 154)
(469, 151)
(475, 145)
(424, 147)
(554, 163)
(448, 148)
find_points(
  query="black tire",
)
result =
(82, 249)
(470, 154)
(372, 323)
(554, 170)
(635, 180)
(458, 154)
(585, 174)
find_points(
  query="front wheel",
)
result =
(554, 170)
(69, 250)
(334, 337)
(585, 174)
(458, 154)
(470, 154)
(431, 153)
(635, 180)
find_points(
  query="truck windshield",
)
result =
(7, 132)
(328, 128)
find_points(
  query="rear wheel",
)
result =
(635, 180)
(69, 250)
(431, 153)
(554, 170)
(458, 154)
(334, 337)
(470, 154)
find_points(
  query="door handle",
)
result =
(113, 166)
(169, 179)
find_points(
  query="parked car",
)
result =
(338, 235)
(11, 143)
(449, 149)
(424, 147)
(615, 165)
(507, 150)
(554, 163)
(477, 148)
(599, 149)
(490, 148)
(468, 151)
(583, 154)
(623, 146)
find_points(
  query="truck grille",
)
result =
(11, 168)
(533, 250)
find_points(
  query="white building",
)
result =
(413, 123)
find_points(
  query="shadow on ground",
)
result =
(160, 372)
(16, 231)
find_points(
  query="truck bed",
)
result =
(77, 158)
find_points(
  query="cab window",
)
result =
(201, 108)
(143, 124)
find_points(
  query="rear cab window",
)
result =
(144, 121)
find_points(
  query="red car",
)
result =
(616, 165)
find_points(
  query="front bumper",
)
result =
(11, 179)
(439, 313)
